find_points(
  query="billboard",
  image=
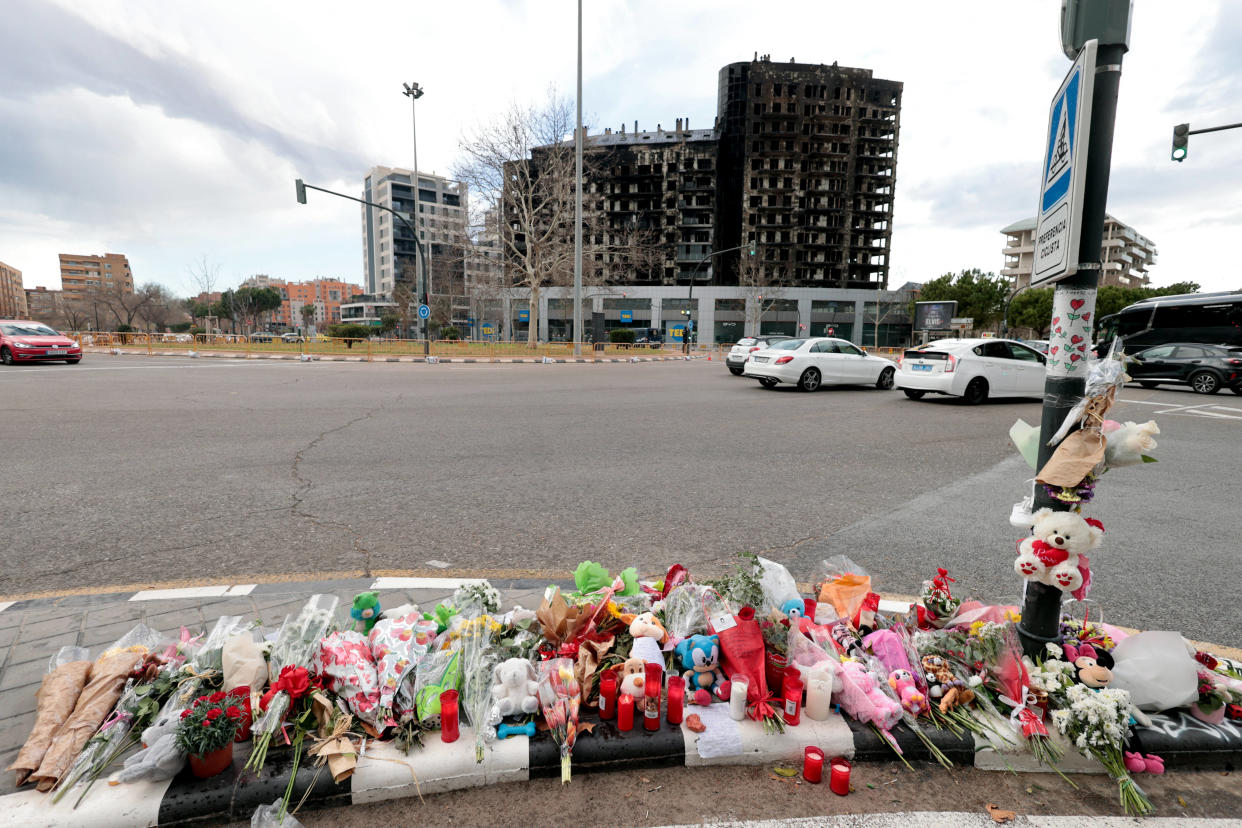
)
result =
(934, 316)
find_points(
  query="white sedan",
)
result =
(810, 363)
(973, 369)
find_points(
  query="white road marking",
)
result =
(1199, 410)
(218, 591)
(423, 583)
(438, 564)
(5, 605)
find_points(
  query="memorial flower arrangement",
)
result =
(209, 724)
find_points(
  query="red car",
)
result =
(25, 341)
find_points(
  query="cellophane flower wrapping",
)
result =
(683, 613)
(397, 645)
(344, 660)
(296, 646)
(560, 698)
(437, 671)
(477, 660)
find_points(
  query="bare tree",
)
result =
(523, 163)
(888, 304)
(160, 309)
(762, 284)
(124, 307)
(74, 314)
(205, 274)
(405, 300)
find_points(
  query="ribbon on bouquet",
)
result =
(1024, 720)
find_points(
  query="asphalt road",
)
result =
(127, 470)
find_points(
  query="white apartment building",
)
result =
(1125, 255)
(387, 246)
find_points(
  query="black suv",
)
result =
(1205, 368)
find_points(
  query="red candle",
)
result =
(608, 695)
(625, 712)
(651, 709)
(793, 699)
(746, 613)
(813, 764)
(448, 716)
(676, 698)
(839, 779)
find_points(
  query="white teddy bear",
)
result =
(515, 688)
(1055, 553)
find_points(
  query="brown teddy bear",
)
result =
(632, 680)
(943, 685)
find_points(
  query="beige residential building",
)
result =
(44, 305)
(80, 273)
(1125, 255)
(12, 294)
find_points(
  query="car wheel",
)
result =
(809, 380)
(1147, 384)
(1237, 389)
(976, 391)
(885, 382)
(6, 356)
(767, 382)
(1204, 382)
(735, 370)
(913, 393)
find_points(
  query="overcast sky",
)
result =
(170, 130)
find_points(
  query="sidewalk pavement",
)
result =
(32, 630)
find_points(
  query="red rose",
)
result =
(295, 681)
(233, 712)
(214, 714)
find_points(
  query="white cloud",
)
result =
(168, 131)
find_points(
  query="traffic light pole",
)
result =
(1181, 138)
(1041, 608)
(694, 277)
(421, 267)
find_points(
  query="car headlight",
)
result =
(23, 345)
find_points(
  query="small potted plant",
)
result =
(206, 732)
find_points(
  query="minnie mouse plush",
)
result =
(1092, 667)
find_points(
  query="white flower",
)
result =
(1055, 650)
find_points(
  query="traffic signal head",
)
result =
(1181, 137)
(301, 190)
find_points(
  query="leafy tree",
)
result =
(308, 316)
(349, 332)
(256, 301)
(979, 295)
(621, 335)
(450, 332)
(388, 322)
(1032, 309)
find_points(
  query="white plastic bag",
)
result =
(1157, 670)
(268, 816)
(777, 584)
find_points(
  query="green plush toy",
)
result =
(366, 610)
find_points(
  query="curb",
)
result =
(384, 358)
(385, 773)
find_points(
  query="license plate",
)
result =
(760, 359)
(920, 367)
(56, 352)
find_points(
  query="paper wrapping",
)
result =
(56, 698)
(98, 697)
(244, 664)
(1074, 459)
(332, 743)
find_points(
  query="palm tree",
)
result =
(308, 316)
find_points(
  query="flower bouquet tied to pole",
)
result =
(296, 645)
(560, 698)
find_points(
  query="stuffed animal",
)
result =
(632, 678)
(366, 611)
(1129, 444)
(943, 686)
(1056, 551)
(515, 687)
(1092, 667)
(847, 643)
(700, 659)
(646, 625)
(911, 699)
(160, 759)
(863, 700)
(794, 608)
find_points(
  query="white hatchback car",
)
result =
(810, 363)
(973, 369)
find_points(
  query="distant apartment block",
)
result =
(1125, 255)
(12, 294)
(326, 295)
(81, 273)
(44, 305)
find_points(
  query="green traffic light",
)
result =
(1181, 137)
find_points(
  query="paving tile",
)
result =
(23, 675)
(17, 702)
(12, 617)
(97, 636)
(49, 627)
(170, 621)
(41, 649)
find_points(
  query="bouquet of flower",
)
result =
(397, 644)
(295, 646)
(209, 724)
(560, 698)
(347, 667)
(937, 604)
(1096, 721)
(476, 599)
(477, 660)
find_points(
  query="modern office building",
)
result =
(387, 242)
(80, 273)
(12, 294)
(1125, 254)
(789, 194)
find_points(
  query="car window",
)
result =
(746, 341)
(1023, 353)
(1159, 352)
(1189, 352)
(847, 348)
(827, 346)
(994, 350)
(788, 344)
(27, 329)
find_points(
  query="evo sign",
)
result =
(1059, 219)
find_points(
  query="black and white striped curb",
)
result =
(382, 358)
(384, 772)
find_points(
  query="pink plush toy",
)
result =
(863, 700)
(911, 698)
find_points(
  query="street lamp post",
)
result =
(413, 91)
(302, 187)
(578, 202)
